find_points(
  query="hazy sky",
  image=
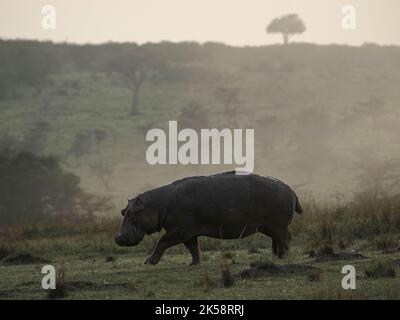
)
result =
(236, 22)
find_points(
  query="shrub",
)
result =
(35, 188)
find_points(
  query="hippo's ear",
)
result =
(147, 220)
(140, 203)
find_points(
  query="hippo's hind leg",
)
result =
(193, 246)
(168, 240)
(279, 248)
(280, 240)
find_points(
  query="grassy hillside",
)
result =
(318, 111)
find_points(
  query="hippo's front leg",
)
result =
(168, 240)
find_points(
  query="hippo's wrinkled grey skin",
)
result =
(226, 206)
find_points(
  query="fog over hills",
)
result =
(324, 116)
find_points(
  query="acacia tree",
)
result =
(132, 65)
(288, 25)
(136, 64)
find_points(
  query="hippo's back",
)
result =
(231, 200)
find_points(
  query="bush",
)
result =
(35, 188)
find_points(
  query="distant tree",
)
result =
(136, 64)
(287, 25)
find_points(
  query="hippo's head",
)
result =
(130, 232)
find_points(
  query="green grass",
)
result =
(89, 276)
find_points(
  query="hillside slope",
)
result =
(318, 111)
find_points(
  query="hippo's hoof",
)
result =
(151, 261)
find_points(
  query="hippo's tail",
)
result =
(297, 206)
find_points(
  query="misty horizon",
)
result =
(199, 43)
(233, 24)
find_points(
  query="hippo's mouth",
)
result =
(124, 242)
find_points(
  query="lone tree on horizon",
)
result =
(287, 25)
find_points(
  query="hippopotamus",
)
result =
(223, 206)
